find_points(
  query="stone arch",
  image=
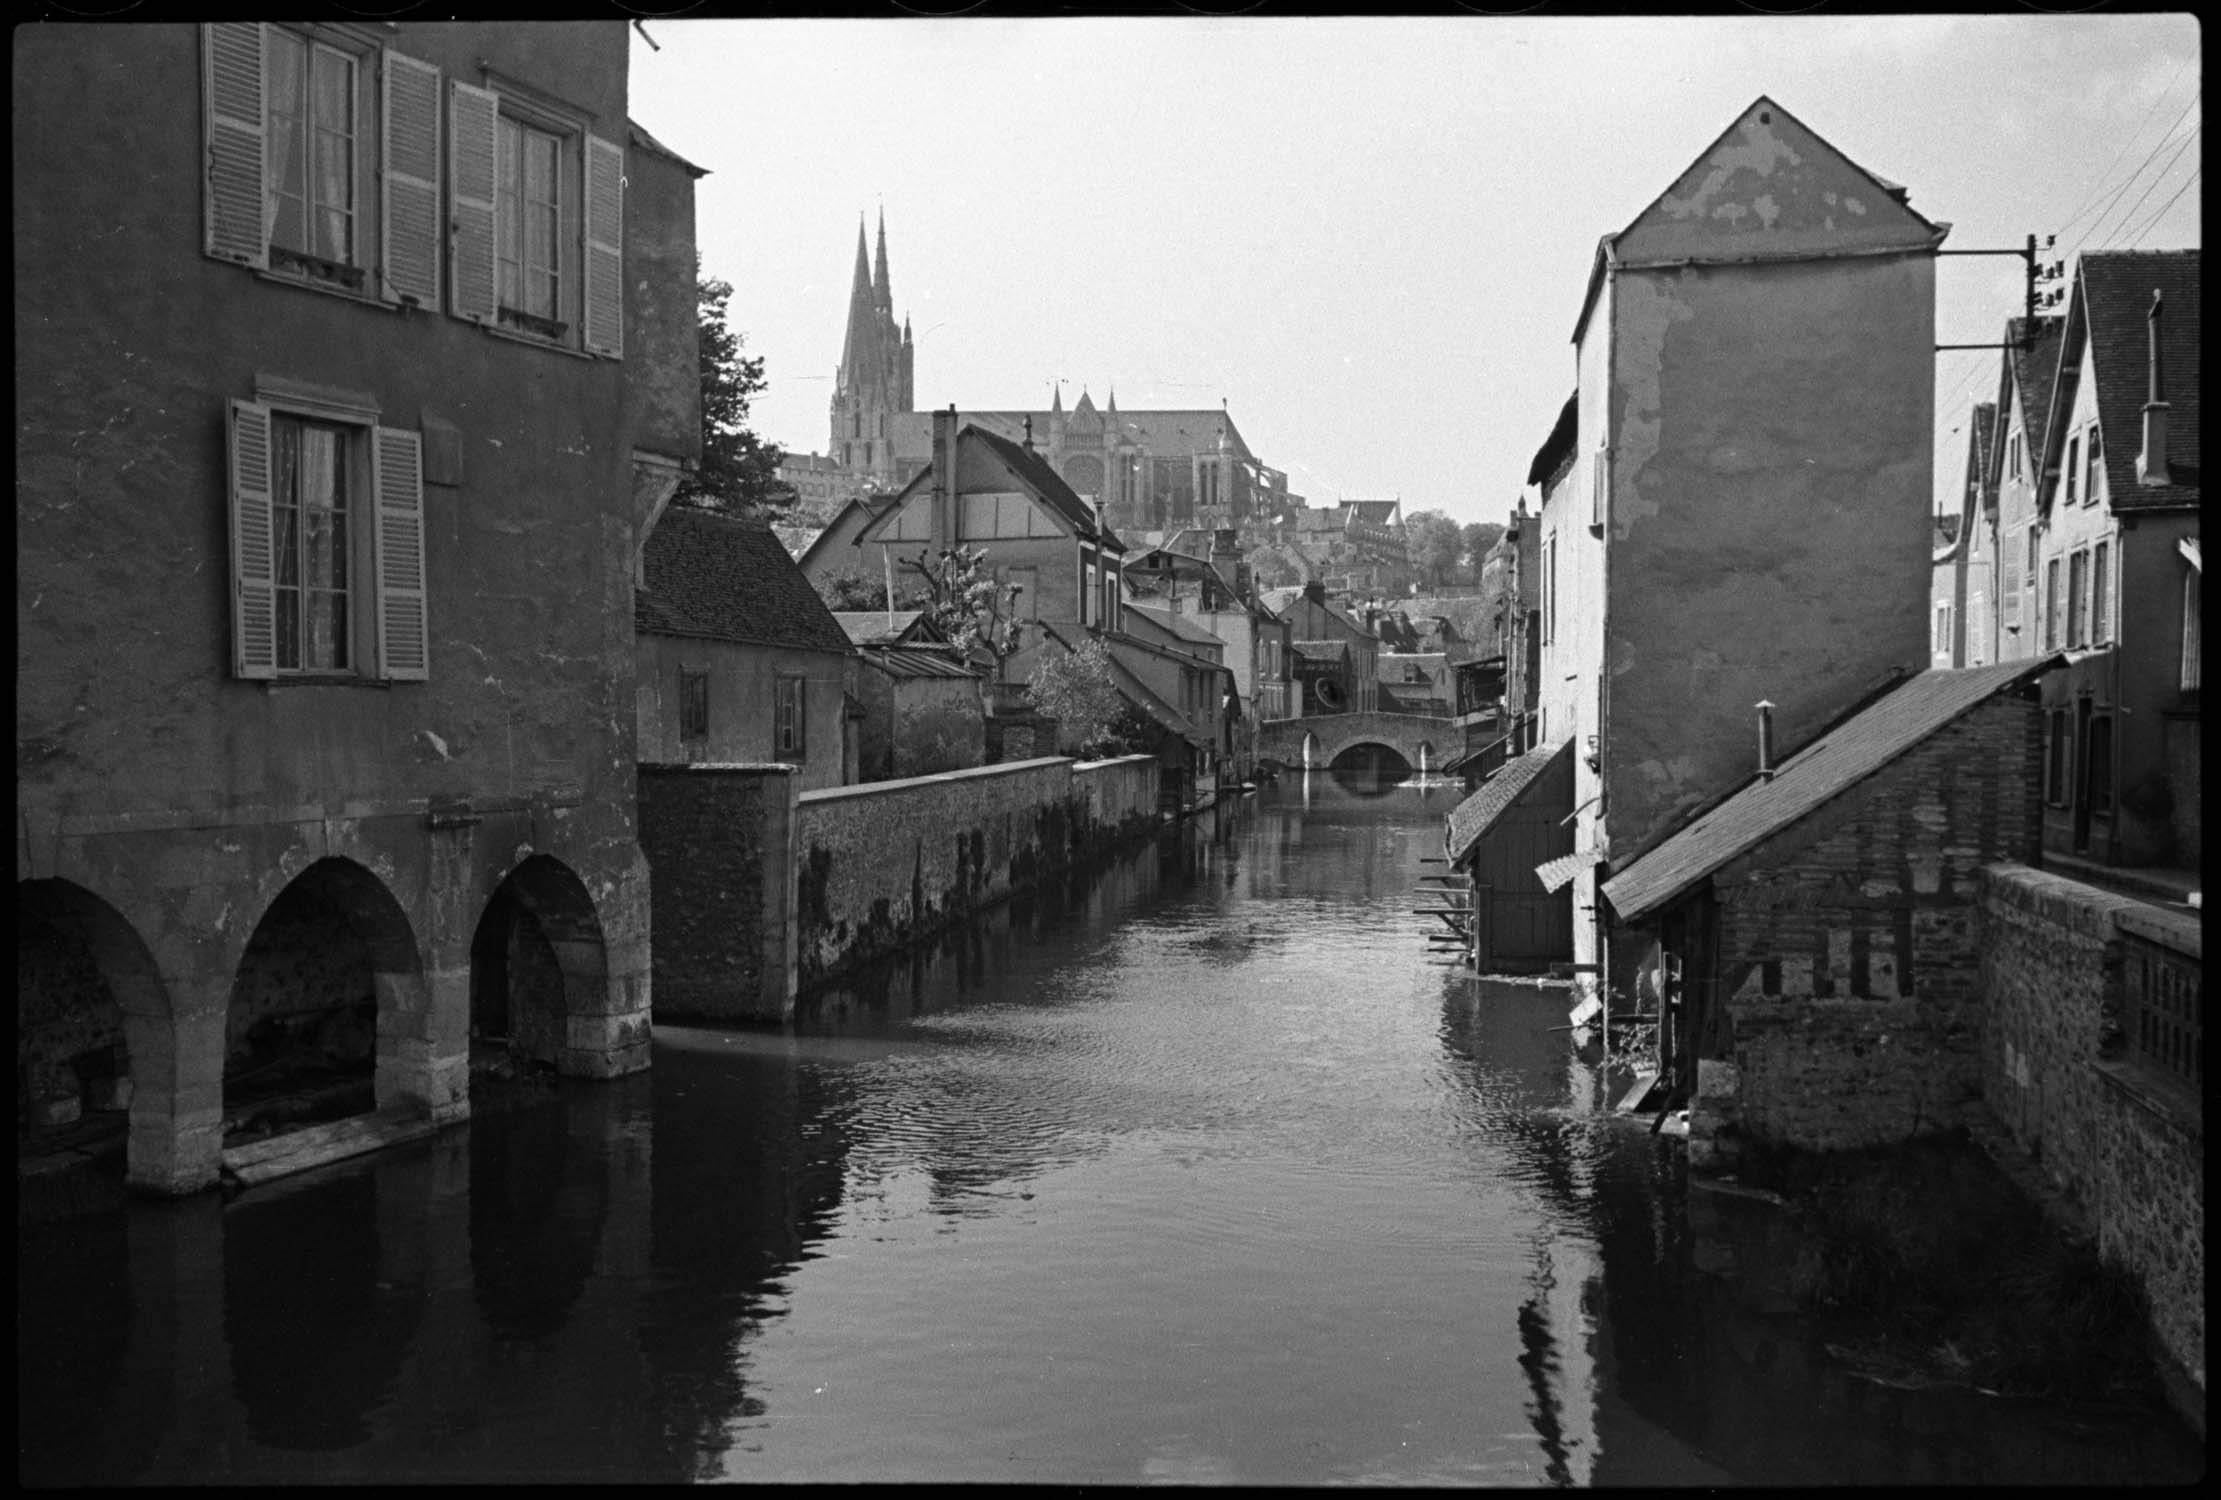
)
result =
(538, 960)
(329, 1013)
(1384, 762)
(92, 1012)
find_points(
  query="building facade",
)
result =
(327, 513)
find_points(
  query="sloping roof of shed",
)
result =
(719, 578)
(916, 661)
(1842, 758)
(1178, 628)
(879, 627)
(1479, 812)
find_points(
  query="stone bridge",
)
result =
(1317, 741)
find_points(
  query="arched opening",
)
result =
(88, 1001)
(1369, 768)
(302, 1039)
(536, 960)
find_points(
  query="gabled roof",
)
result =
(879, 627)
(649, 143)
(2113, 295)
(719, 578)
(1372, 512)
(1479, 812)
(1033, 471)
(1769, 187)
(1842, 758)
(2034, 370)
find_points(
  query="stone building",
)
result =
(1754, 391)
(1814, 971)
(325, 551)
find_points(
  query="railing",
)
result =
(2162, 1009)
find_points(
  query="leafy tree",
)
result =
(1434, 542)
(1476, 537)
(963, 598)
(855, 591)
(739, 470)
(1076, 689)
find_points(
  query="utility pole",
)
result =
(2035, 272)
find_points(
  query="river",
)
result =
(1194, 1168)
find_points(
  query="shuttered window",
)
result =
(789, 722)
(472, 116)
(327, 547)
(409, 182)
(604, 233)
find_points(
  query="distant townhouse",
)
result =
(1214, 594)
(1963, 571)
(327, 536)
(1313, 619)
(2116, 522)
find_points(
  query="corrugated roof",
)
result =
(1842, 758)
(716, 577)
(916, 661)
(2116, 287)
(1479, 812)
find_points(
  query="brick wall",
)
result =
(720, 846)
(2126, 1146)
(1846, 950)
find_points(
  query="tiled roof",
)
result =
(1321, 650)
(723, 579)
(1178, 628)
(2035, 372)
(647, 142)
(1842, 758)
(2116, 289)
(1479, 812)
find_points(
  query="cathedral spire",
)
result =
(858, 345)
(882, 291)
(1057, 405)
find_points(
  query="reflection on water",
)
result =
(1191, 1169)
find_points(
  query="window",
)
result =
(1978, 617)
(1940, 636)
(528, 226)
(1599, 487)
(2074, 465)
(693, 704)
(2051, 605)
(2012, 455)
(2078, 593)
(789, 716)
(2055, 757)
(2091, 473)
(2097, 765)
(1549, 590)
(536, 204)
(2101, 594)
(327, 544)
(294, 136)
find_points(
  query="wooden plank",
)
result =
(299, 1150)
(1638, 1094)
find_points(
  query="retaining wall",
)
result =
(760, 891)
(2123, 1141)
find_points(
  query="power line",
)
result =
(2187, 184)
(2130, 181)
(2163, 171)
(2129, 141)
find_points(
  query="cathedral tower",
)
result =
(877, 362)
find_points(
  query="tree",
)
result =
(1434, 542)
(739, 470)
(855, 591)
(1475, 538)
(1076, 688)
(963, 598)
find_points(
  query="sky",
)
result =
(1367, 236)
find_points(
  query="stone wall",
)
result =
(2126, 1145)
(720, 846)
(1120, 797)
(1851, 980)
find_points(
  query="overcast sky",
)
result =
(1368, 236)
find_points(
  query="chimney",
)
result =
(2151, 464)
(1765, 740)
(944, 481)
(1315, 591)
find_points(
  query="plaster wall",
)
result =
(1768, 515)
(742, 680)
(1570, 580)
(2019, 615)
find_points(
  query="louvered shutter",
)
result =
(397, 480)
(409, 182)
(605, 233)
(471, 116)
(254, 595)
(233, 222)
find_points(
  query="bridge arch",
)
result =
(1316, 741)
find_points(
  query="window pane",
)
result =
(286, 209)
(289, 627)
(507, 228)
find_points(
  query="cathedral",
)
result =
(1154, 472)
